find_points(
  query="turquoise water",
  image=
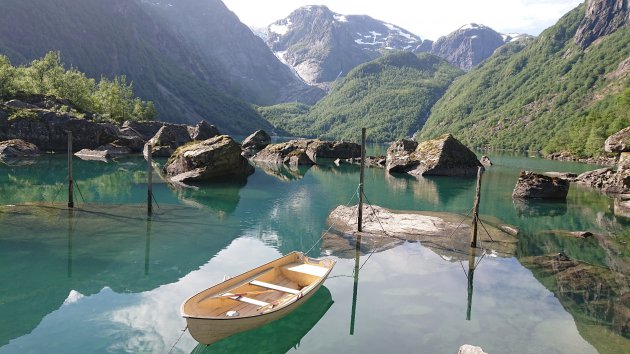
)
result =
(105, 278)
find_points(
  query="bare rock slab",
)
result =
(444, 233)
(444, 156)
(206, 160)
(535, 185)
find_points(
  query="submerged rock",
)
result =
(535, 185)
(18, 148)
(87, 154)
(255, 142)
(209, 159)
(383, 228)
(444, 156)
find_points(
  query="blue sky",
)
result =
(428, 19)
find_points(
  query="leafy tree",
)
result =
(7, 74)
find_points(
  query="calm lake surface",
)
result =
(105, 278)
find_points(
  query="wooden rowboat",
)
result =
(254, 298)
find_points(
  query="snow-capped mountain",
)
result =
(322, 45)
(471, 44)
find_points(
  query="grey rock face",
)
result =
(469, 45)
(602, 18)
(17, 148)
(206, 160)
(534, 185)
(618, 142)
(607, 180)
(255, 142)
(203, 131)
(443, 156)
(322, 45)
(283, 152)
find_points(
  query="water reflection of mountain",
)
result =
(95, 247)
(596, 297)
(279, 336)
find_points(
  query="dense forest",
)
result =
(391, 96)
(107, 100)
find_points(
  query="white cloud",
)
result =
(428, 19)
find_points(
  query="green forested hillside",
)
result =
(391, 96)
(548, 94)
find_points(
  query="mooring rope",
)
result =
(334, 223)
(79, 189)
(178, 339)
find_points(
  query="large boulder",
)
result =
(535, 185)
(444, 156)
(290, 152)
(203, 131)
(332, 150)
(17, 148)
(255, 142)
(167, 140)
(206, 160)
(618, 142)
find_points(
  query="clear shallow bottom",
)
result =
(106, 279)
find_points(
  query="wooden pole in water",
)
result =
(149, 180)
(70, 181)
(471, 275)
(361, 180)
(355, 288)
(473, 229)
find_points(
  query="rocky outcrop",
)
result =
(206, 160)
(595, 160)
(602, 18)
(444, 156)
(621, 205)
(255, 142)
(17, 148)
(531, 185)
(306, 151)
(171, 136)
(618, 142)
(48, 130)
(607, 180)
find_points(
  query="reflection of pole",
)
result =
(361, 179)
(471, 274)
(70, 235)
(147, 248)
(149, 180)
(357, 256)
(70, 182)
(473, 229)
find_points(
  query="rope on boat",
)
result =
(333, 224)
(178, 339)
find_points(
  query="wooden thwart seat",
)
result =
(307, 269)
(275, 287)
(248, 300)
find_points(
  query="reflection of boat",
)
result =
(254, 298)
(279, 336)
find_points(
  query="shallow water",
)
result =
(105, 278)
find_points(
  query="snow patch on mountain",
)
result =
(340, 18)
(280, 28)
